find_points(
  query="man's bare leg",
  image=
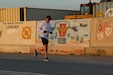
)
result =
(45, 51)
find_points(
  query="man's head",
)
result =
(48, 18)
(89, 0)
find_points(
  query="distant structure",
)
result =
(30, 14)
(106, 0)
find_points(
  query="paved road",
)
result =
(26, 64)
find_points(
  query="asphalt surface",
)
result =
(26, 64)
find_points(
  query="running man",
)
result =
(44, 29)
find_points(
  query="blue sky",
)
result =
(52, 4)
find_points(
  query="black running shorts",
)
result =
(44, 41)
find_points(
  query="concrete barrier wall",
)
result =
(17, 37)
(78, 37)
(19, 33)
(99, 51)
(14, 49)
(101, 37)
(69, 37)
(102, 32)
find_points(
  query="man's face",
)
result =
(47, 20)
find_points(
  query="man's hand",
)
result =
(51, 33)
(44, 31)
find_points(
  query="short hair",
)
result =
(49, 17)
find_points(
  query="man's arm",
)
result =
(50, 29)
(40, 29)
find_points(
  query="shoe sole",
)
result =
(45, 60)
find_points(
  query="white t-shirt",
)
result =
(44, 27)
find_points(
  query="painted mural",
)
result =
(69, 32)
(19, 33)
(102, 32)
(104, 29)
